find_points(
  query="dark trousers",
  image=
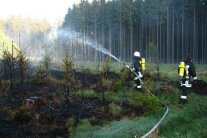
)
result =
(138, 82)
(184, 94)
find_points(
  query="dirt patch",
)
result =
(51, 118)
(47, 109)
(200, 87)
(130, 110)
(86, 79)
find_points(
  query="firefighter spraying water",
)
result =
(138, 69)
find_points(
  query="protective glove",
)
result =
(132, 69)
(140, 74)
(195, 78)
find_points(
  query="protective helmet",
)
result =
(136, 54)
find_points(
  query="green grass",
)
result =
(202, 72)
(170, 71)
(97, 67)
(167, 71)
(88, 93)
(188, 121)
(90, 66)
(125, 128)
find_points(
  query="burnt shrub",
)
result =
(23, 115)
(104, 85)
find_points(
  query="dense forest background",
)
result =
(162, 30)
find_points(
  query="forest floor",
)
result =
(47, 116)
(54, 115)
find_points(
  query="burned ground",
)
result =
(200, 87)
(86, 79)
(49, 118)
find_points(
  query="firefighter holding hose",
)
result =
(187, 74)
(138, 66)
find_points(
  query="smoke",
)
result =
(100, 48)
(66, 34)
(56, 41)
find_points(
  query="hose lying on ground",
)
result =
(164, 115)
(156, 125)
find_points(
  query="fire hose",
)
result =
(127, 66)
(164, 115)
(156, 125)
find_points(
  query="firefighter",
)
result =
(187, 74)
(137, 68)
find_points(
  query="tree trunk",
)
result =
(194, 30)
(168, 35)
(95, 36)
(173, 37)
(131, 32)
(182, 49)
(120, 30)
(157, 37)
(110, 40)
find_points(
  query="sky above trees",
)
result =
(49, 9)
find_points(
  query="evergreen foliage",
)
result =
(70, 83)
(6, 45)
(162, 30)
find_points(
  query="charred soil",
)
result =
(39, 109)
